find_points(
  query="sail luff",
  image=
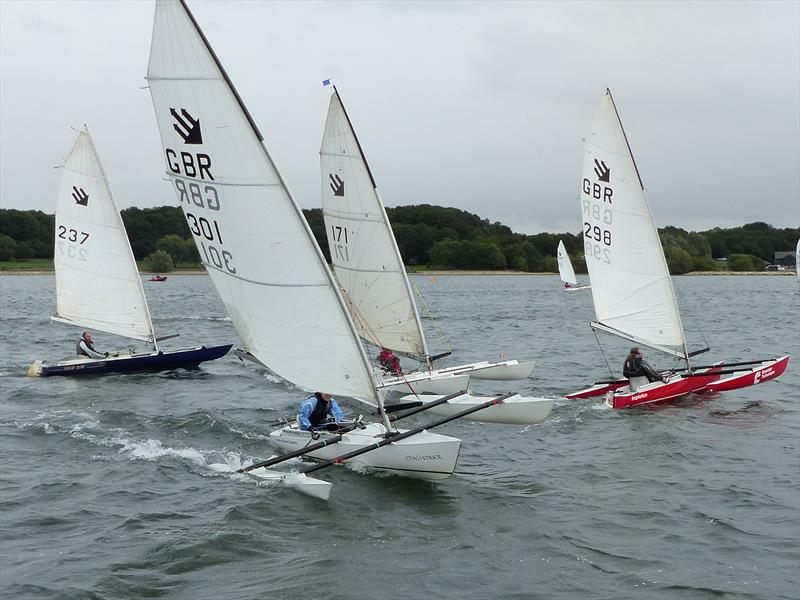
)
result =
(650, 212)
(251, 234)
(406, 282)
(390, 232)
(145, 306)
(364, 252)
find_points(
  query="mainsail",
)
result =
(251, 235)
(631, 286)
(565, 265)
(363, 249)
(97, 284)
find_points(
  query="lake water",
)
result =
(106, 490)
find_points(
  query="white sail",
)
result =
(251, 235)
(565, 265)
(97, 284)
(631, 286)
(363, 249)
(797, 259)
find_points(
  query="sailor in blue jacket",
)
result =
(314, 411)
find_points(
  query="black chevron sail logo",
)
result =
(80, 196)
(602, 171)
(187, 126)
(337, 185)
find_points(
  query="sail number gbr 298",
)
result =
(597, 236)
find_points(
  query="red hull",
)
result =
(759, 374)
(598, 389)
(661, 392)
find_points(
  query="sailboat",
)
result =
(631, 286)
(566, 271)
(368, 264)
(263, 259)
(98, 286)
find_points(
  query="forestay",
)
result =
(631, 286)
(364, 253)
(251, 235)
(97, 284)
(565, 265)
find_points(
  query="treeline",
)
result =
(427, 235)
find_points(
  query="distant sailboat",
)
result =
(631, 285)
(98, 286)
(368, 264)
(566, 271)
(265, 264)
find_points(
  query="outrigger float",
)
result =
(416, 453)
(631, 286)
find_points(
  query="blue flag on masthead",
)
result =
(326, 82)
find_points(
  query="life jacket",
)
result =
(320, 412)
(631, 369)
(80, 351)
(387, 361)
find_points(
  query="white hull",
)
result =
(506, 370)
(516, 410)
(577, 287)
(426, 455)
(425, 383)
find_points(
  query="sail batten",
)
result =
(363, 250)
(261, 254)
(98, 286)
(631, 286)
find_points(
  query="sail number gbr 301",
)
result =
(205, 195)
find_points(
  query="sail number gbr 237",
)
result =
(200, 195)
(598, 218)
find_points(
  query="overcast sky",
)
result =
(480, 105)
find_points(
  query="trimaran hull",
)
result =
(426, 455)
(658, 391)
(516, 410)
(129, 362)
(506, 370)
(769, 369)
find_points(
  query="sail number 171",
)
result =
(339, 235)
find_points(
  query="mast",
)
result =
(388, 226)
(647, 204)
(146, 307)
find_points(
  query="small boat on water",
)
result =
(263, 254)
(566, 271)
(158, 278)
(631, 286)
(367, 260)
(98, 286)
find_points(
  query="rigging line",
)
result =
(359, 316)
(602, 353)
(430, 316)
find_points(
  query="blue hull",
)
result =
(152, 361)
